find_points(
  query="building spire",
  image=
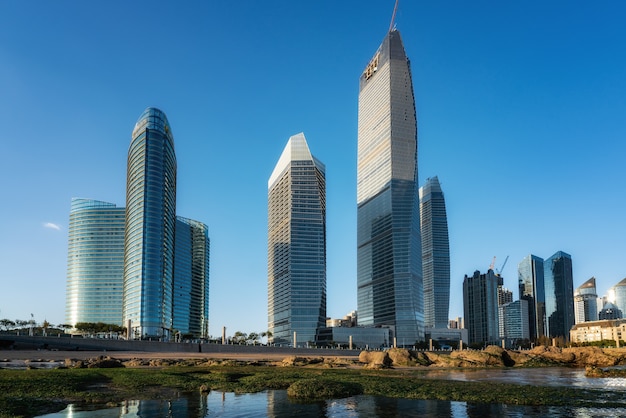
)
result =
(393, 16)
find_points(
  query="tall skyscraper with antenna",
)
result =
(389, 255)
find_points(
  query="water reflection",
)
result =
(276, 404)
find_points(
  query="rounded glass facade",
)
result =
(150, 225)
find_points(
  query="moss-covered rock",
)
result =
(317, 389)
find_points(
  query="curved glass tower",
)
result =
(389, 254)
(150, 224)
(296, 245)
(435, 254)
(191, 278)
(95, 262)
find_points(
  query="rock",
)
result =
(104, 363)
(375, 359)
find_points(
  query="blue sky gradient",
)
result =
(521, 112)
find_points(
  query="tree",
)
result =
(239, 337)
(253, 337)
(45, 327)
(6, 324)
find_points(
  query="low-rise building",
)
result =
(613, 329)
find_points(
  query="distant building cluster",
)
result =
(141, 267)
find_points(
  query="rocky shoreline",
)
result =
(492, 356)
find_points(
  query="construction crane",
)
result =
(499, 271)
(493, 263)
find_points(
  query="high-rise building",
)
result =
(435, 254)
(586, 302)
(389, 255)
(480, 306)
(618, 295)
(505, 296)
(150, 225)
(95, 262)
(531, 288)
(559, 291)
(191, 278)
(514, 325)
(296, 245)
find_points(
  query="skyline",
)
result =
(519, 107)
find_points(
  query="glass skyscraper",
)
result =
(95, 262)
(150, 225)
(296, 245)
(389, 254)
(435, 254)
(559, 290)
(531, 288)
(586, 302)
(618, 295)
(191, 278)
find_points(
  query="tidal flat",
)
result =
(29, 393)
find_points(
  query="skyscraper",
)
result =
(150, 225)
(389, 254)
(95, 262)
(435, 254)
(531, 288)
(191, 278)
(480, 306)
(618, 295)
(296, 245)
(559, 291)
(586, 302)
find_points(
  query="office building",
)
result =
(610, 311)
(531, 288)
(480, 307)
(296, 246)
(586, 302)
(559, 292)
(150, 225)
(389, 255)
(618, 295)
(95, 263)
(191, 279)
(514, 322)
(435, 254)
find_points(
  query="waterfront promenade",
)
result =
(60, 347)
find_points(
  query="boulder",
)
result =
(375, 359)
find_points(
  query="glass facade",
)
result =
(95, 262)
(619, 295)
(389, 254)
(296, 245)
(191, 278)
(150, 224)
(559, 291)
(514, 317)
(586, 302)
(531, 288)
(435, 254)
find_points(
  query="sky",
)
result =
(521, 111)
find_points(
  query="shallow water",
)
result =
(277, 404)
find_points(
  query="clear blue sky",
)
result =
(521, 111)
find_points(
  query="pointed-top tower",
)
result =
(296, 246)
(389, 256)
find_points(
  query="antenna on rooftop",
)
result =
(393, 16)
